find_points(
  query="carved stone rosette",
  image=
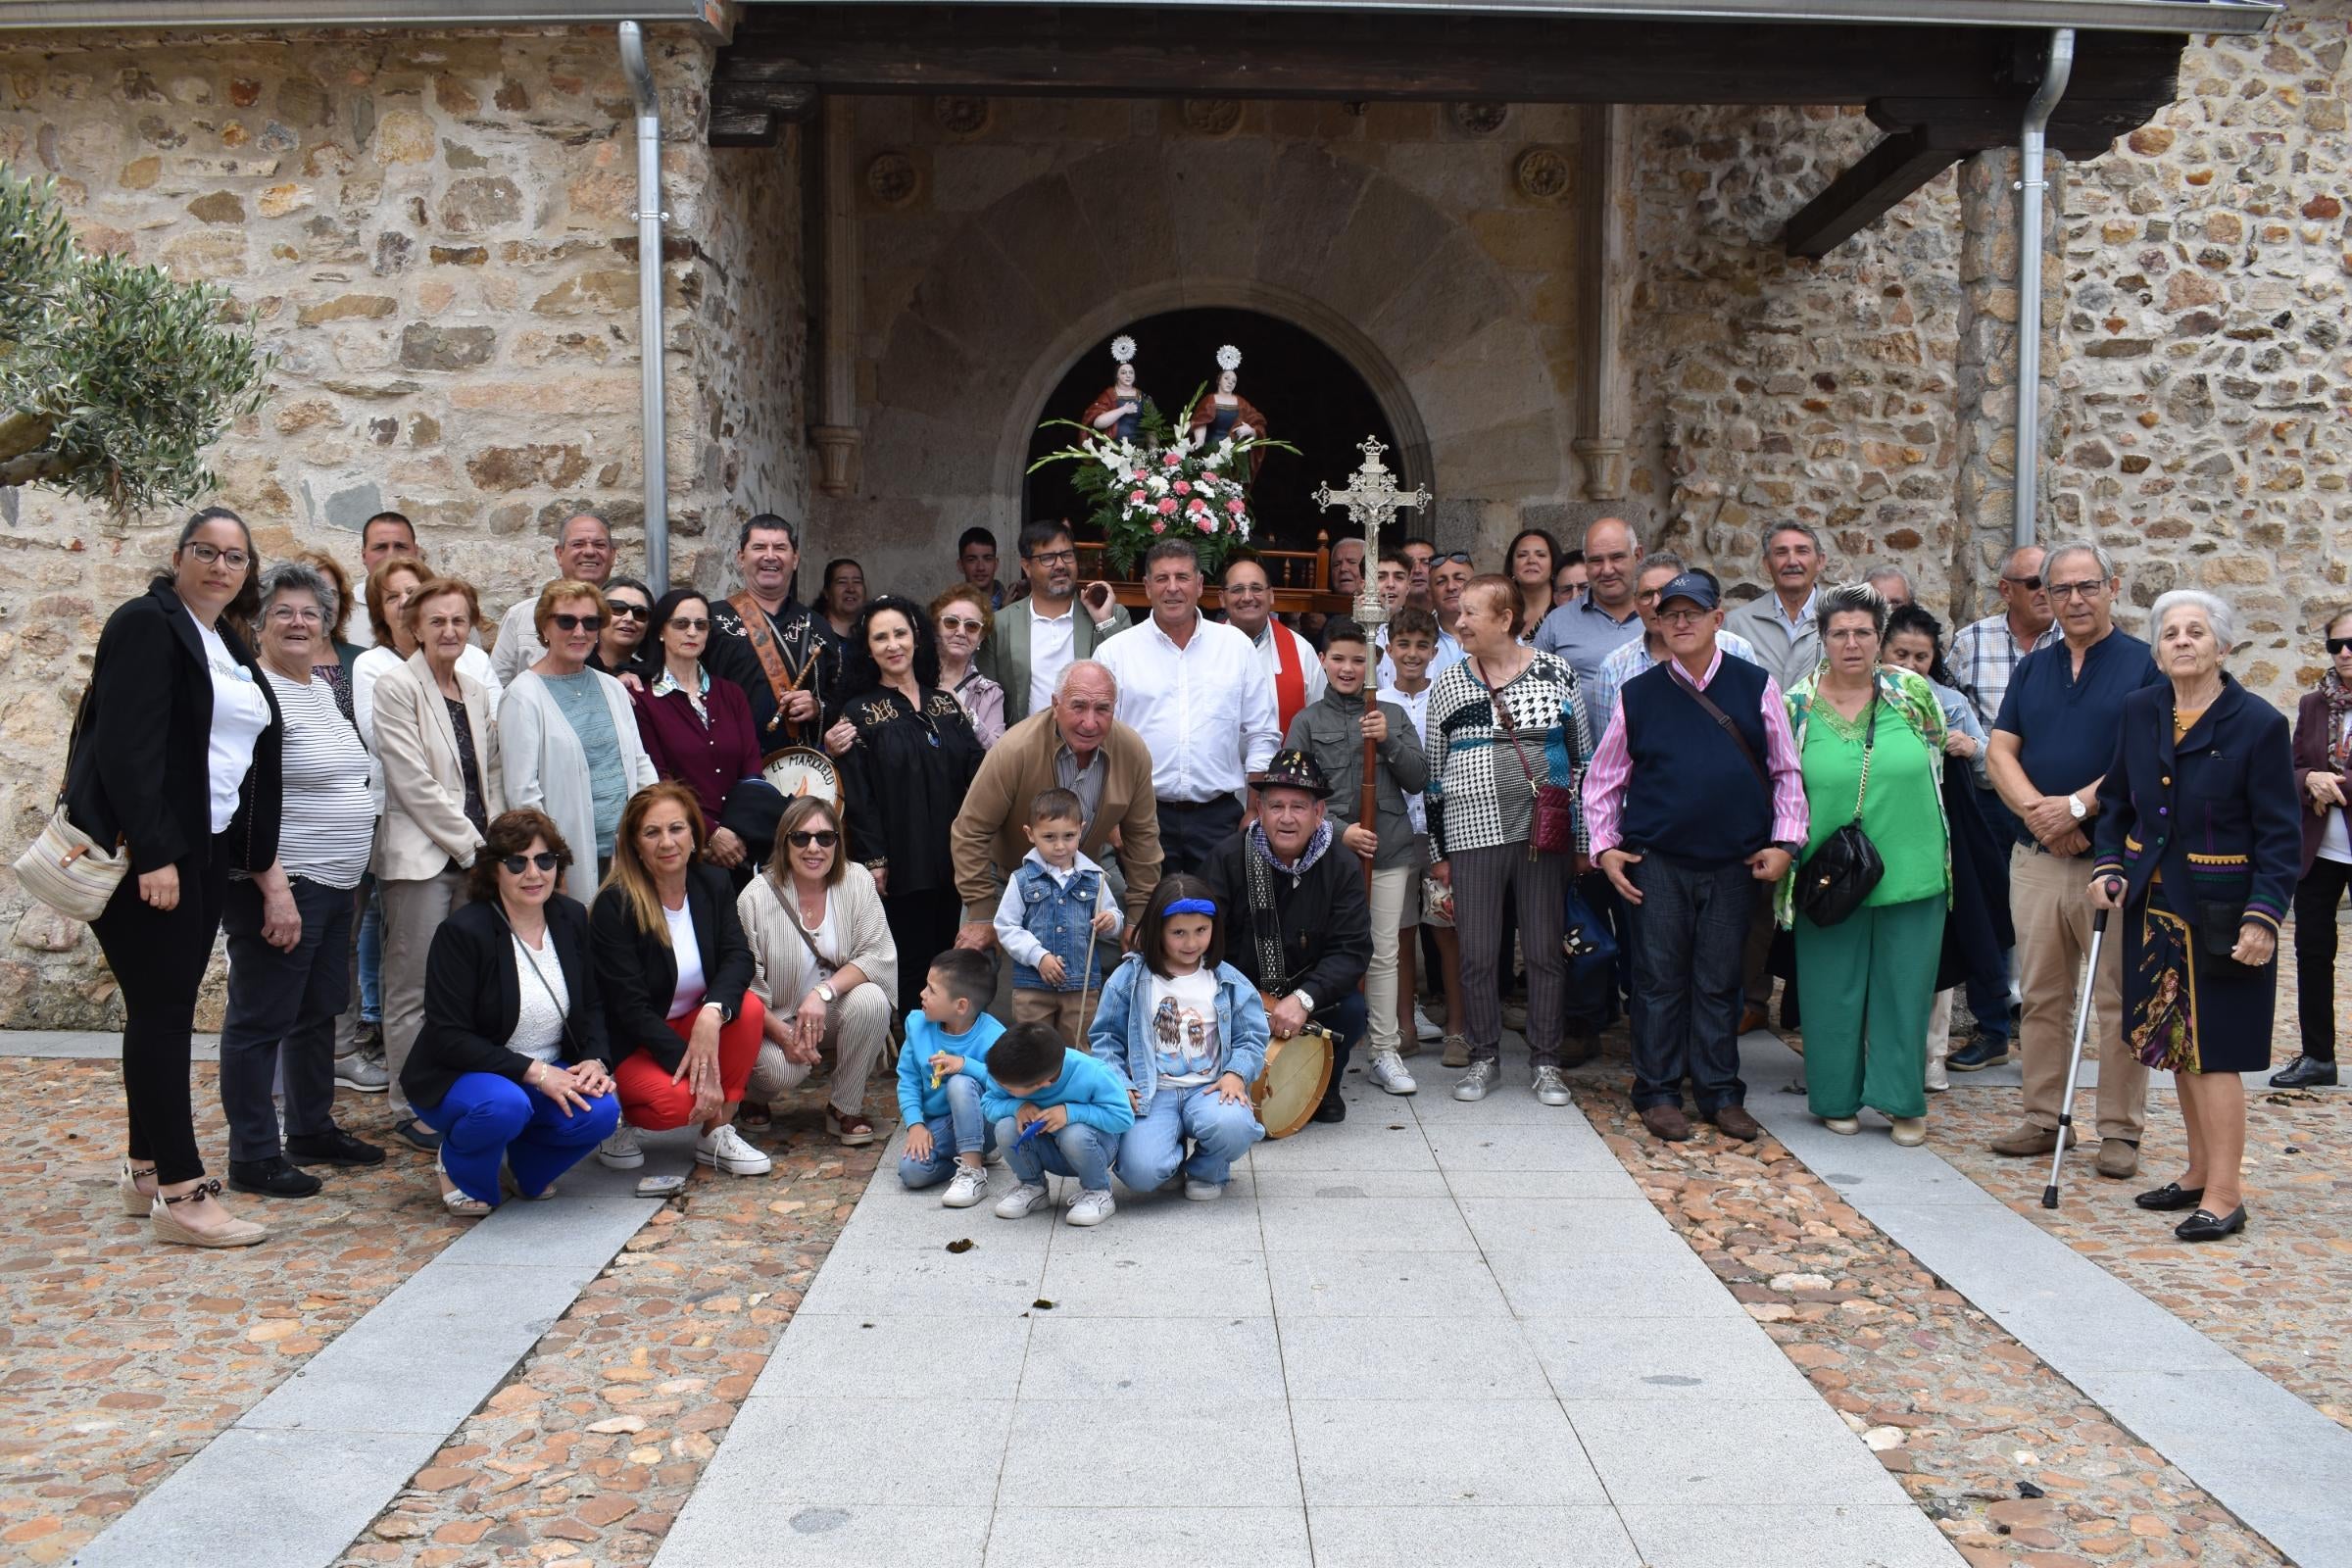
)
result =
(1480, 118)
(1542, 172)
(1212, 116)
(893, 179)
(960, 117)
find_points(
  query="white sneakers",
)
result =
(1423, 1028)
(1091, 1207)
(620, 1152)
(1478, 1081)
(1550, 1088)
(1021, 1201)
(724, 1150)
(1388, 1071)
(1199, 1192)
(967, 1187)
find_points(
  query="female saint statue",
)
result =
(1226, 412)
(1119, 411)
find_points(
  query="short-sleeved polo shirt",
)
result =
(2066, 725)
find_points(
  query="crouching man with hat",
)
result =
(1299, 924)
(1695, 797)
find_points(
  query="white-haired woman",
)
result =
(2198, 845)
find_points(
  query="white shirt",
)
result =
(1450, 652)
(1053, 644)
(519, 645)
(539, 1021)
(370, 667)
(1205, 711)
(1416, 708)
(1310, 664)
(690, 989)
(1014, 936)
(240, 712)
(1184, 1029)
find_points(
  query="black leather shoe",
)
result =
(333, 1147)
(271, 1178)
(1333, 1108)
(416, 1135)
(1983, 1051)
(2305, 1072)
(2171, 1198)
(2203, 1227)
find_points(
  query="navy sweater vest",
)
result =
(1691, 796)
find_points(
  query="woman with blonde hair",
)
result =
(964, 622)
(571, 737)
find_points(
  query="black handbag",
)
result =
(1835, 880)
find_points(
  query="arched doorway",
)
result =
(1312, 397)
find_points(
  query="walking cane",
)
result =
(1086, 976)
(2074, 1062)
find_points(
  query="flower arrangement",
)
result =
(1164, 486)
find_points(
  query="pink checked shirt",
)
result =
(1612, 767)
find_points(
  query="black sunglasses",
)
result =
(690, 624)
(575, 622)
(544, 860)
(2032, 585)
(622, 610)
(2336, 645)
(1462, 556)
(824, 838)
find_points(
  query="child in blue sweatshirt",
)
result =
(1058, 1110)
(942, 1075)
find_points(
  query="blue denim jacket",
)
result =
(1121, 1036)
(1061, 918)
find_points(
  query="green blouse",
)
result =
(1903, 811)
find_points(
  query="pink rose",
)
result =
(1196, 505)
(1209, 525)
(1181, 487)
(1170, 459)
(1159, 527)
(1135, 497)
(1235, 506)
(1168, 508)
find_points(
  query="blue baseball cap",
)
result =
(1692, 586)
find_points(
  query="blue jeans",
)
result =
(486, 1117)
(1344, 1019)
(371, 953)
(1686, 981)
(1076, 1151)
(962, 1131)
(1151, 1151)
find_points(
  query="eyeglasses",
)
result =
(824, 838)
(577, 623)
(690, 624)
(622, 610)
(1054, 557)
(2089, 588)
(2032, 584)
(208, 553)
(289, 615)
(957, 623)
(1683, 617)
(515, 864)
(2336, 645)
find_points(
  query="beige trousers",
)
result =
(2046, 904)
(857, 1027)
(413, 912)
(1059, 1010)
(1389, 890)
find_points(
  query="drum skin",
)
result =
(1297, 1071)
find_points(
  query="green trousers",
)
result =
(1866, 986)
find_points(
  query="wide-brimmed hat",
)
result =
(1295, 771)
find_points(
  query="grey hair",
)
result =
(280, 575)
(1061, 682)
(1880, 574)
(2218, 613)
(1793, 526)
(1844, 600)
(2079, 546)
(1665, 558)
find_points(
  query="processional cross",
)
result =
(1372, 499)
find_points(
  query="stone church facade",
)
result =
(1563, 312)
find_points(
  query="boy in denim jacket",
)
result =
(1058, 1110)
(942, 1075)
(1055, 922)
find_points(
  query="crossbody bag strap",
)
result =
(762, 637)
(562, 1010)
(1729, 729)
(1870, 741)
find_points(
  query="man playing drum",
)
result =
(1300, 926)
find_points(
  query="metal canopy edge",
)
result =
(206, 15)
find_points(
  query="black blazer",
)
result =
(140, 771)
(640, 972)
(473, 997)
(2216, 812)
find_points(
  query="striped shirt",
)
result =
(329, 821)
(1612, 771)
(1632, 660)
(1983, 661)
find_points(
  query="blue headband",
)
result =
(1191, 907)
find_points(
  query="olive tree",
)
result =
(114, 379)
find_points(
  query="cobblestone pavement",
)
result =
(592, 1446)
(120, 1357)
(2015, 1465)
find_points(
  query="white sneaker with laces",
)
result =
(1203, 1192)
(1478, 1081)
(620, 1152)
(725, 1152)
(967, 1187)
(1388, 1071)
(1550, 1088)
(1423, 1027)
(1091, 1207)
(1021, 1201)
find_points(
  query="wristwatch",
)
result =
(2074, 804)
(826, 993)
(1792, 848)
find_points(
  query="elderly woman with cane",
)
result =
(2198, 846)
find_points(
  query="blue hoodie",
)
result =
(1097, 1095)
(925, 1039)
(1121, 1035)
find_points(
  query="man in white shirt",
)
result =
(1039, 637)
(583, 554)
(1198, 695)
(1290, 662)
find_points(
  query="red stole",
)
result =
(1289, 675)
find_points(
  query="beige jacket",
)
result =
(425, 825)
(782, 969)
(986, 838)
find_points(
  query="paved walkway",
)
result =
(1439, 1332)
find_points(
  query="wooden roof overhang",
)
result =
(1943, 79)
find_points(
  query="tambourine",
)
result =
(797, 770)
(1297, 1074)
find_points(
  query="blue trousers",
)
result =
(371, 953)
(962, 1131)
(485, 1118)
(1151, 1151)
(1076, 1151)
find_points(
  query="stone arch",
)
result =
(1399, 289)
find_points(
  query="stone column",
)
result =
(1604, 281)
(1985, 389)
(834, 435)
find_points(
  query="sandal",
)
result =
(170, 1228)
(136, 1201)
(754, 1115)
(851, 1127)
(456, 1200)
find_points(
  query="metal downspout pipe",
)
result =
(650, 336)
(2032, 147)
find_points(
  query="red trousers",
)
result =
(651, 1101)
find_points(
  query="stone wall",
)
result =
(433, 233)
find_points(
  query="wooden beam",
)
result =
(742, 127)
(1858, 198)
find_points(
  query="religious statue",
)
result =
(1119, 411)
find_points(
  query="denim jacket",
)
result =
(1121, 1036)
(1061, 916)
